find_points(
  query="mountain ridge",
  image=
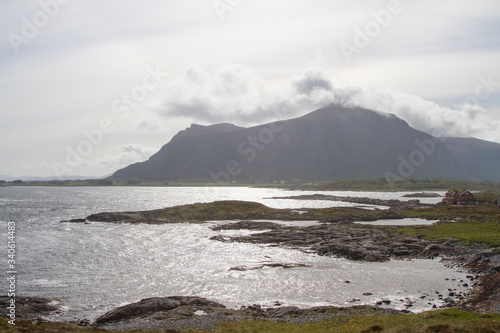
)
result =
(328, 144)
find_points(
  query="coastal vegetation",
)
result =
(469, 224)
(345, 185)
(459, 226)
(401, 185)
(449, 320)
(467, 231)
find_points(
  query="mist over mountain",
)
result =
(329, 144)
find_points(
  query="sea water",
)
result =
(95, 267)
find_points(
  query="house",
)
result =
(455, 197)
(464, 197)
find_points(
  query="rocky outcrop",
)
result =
(29, 308)
(172, 308)
(339, 240)
(393, 203)
(248, 225)
(422, 195)
(271, 265)
(180, 313)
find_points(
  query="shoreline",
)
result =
(336, 236)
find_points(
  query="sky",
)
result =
(88, 87)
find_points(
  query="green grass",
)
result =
(344, 185)
(450, 320)
(467, 231)
(436, 321)
(403, 185)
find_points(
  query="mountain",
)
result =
(41, 179)
(476, 157)
(332, 143)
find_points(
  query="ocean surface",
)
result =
(92, 268)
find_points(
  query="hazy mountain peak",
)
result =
(195, 129)
(331, 143)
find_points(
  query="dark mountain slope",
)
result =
(479, 159)
(332, 143)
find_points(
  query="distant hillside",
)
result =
(476, 158)
(330, 144)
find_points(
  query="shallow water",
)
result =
(407, 221)
(95, 267)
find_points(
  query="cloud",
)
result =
(130, 153)
(463, 120)
(233, 93)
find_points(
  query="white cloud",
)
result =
(233, 93)
(130, 153)
(64, 79)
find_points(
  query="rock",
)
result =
(432, 247)
(283, 311)
(248, 225)
(76, 221)
(28, 308)
(422, 195)
(273, 265)
(150, 306)
(83, 322)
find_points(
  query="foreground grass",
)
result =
(436, 321)
(433, 321)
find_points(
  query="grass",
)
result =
(449, 320)
(440, 211)
(344, 185)
(436, 321)
(218, 210)
(477, 224)
(402, 185)
(467, 231)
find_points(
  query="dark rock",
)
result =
(76, 221)
(28, 308)
(273, 265)
(247, 225)
(83, 322)
(283, 311)
(152, 305)
(432, 247)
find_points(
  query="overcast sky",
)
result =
(87, 87)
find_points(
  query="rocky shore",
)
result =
(337, 236)
(392, 203)
(344, 240)
(180, 313)
(29, 308)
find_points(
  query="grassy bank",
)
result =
(433, 321)
(344, 185)
(467, 231)
(401, 185)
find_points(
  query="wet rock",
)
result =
(283, 311)
(28, 308)
(273, 265)
(76, 221)
(248, 225)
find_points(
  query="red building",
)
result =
(455, 197)
(464, 197)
